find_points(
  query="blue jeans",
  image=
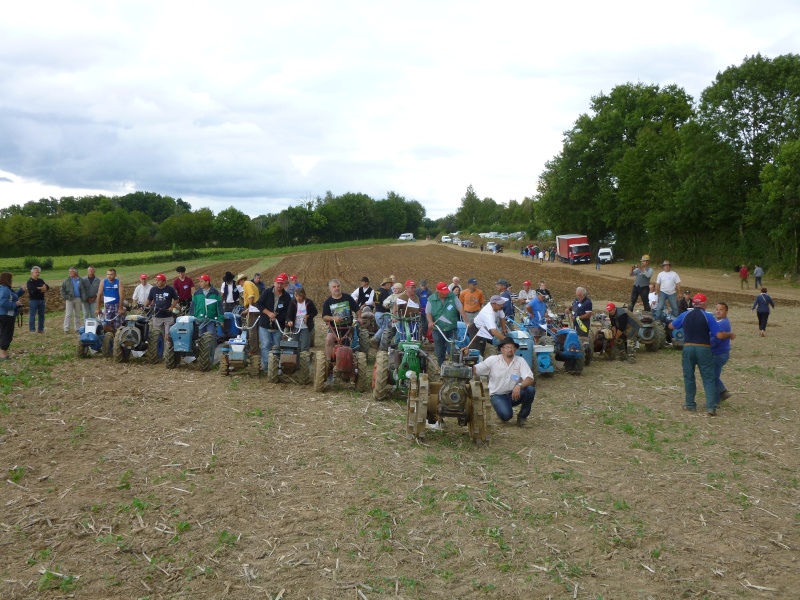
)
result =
(267, 339)
(503, 403)
(441, 345)
(700, 357)
(719, 362)
(662, 300)
(36, 307)
(382, 319)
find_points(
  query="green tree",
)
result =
(467, 215)
(779, 213)
(232, 228)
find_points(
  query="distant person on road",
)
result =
(744, 275)
(184, 286)
(9, 308)
(721, 349)
(71, 292)
(142, 291)
(472, 300)
(641, 285)
(758, 274)
(761, 306)
(510, 382)
(668, 288)
(110, 295)
(90, 288)
(36, 289)
(164, 299)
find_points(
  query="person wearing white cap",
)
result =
(489, 323)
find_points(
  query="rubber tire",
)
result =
(661, 332)
(273, 367)
(170, 358)
(380, 376)
(363, 341)
(432, 369)
(81, 351)
(658, 338)
(224, 365)
(203, 352)
(254, 364)
(304, 368)
(320, 371)
(156, 339)
(588, 353)
(107, 345)
(119, 352)
(362, 382)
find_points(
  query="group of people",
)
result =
(537, 253)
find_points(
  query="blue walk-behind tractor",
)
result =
(540, 357)
(94, 339)
(235, 352)
(184, 340)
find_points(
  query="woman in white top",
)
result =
(300, 318)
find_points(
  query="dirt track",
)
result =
(164, 484)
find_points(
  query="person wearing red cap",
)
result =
(273, 306)
(442, 313)
(526, 294)
(698, 327)
(163, 298)
(292, 284)
(624, 327)
(142, 291)
(207, 306)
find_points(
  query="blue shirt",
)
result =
(719, 346)
(508, 307)
(539, 309)
(76, 287)
(692, 334)
(423, 299)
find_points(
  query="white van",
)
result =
(606, 255)
(406, 237)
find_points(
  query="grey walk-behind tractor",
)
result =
(393, 368)
(185, 340)
(235, 352)
(93, 339)
(286, 362)
(347, 362)
(135, 338)
(457, 394)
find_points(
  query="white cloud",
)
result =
(262, 104)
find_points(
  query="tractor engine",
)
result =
(453, 394)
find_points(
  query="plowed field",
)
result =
(132, 481)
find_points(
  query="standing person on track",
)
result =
(90, 288)
(761, 306)
(301, 314)
(36, 303)
(71, 292)
(744, 275)
(273, 305)
(422, 293)
(163, 298)
(721, 350)
(444, 308)
(249, 297)
(9, 307)
(142, 291)
(758, 273)
(184, 286)
(668, 288)
(472, 300)
(502, 286)
(109, 299)
(641, 285)
(526, 294)
(338, 311)
(258, 283)
(229, 292)
(582, 312)
(510, 382)
(490, 323)
(207, 306)
(381, 311)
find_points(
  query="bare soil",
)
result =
(132, 481)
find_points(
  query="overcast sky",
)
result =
(263, 104)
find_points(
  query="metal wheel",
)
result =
(478, 425)
(320, 371)
(422, 405)
(414, 418)
(304, 368)
(380, 376)
(205, 352)
(273, 367)
(362, 383)
(155, 347)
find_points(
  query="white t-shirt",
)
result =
(503, 376)
(653, 298)
(526, 296)
(302, 311)
(668, 280)
(141, 293)
(486, 320)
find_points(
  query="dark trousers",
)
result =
(476, 341)
(7, 323)
(762, 320)
(503, 403)
(36, 307)
(643, 291)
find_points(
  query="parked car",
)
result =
(606, 255)
(457, 241)
(467, 244)
(446, 239)
(494, 247)
(407, 237)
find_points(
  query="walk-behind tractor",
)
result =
(136, 338)
(651, 332)
(567, 345)
(185, 341)
(673, 336)
(345, 363)
(235, 352)
(392, 369)
(93, 339)
(457, 394)
(540, 357)
(286, 362)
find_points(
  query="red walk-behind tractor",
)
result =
(348, 361)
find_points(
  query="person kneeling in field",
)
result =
(510, 382)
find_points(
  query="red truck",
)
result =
(573, 248)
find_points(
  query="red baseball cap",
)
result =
(698, 298)
(161, 276)
(611, 306)
(143, 276)
(293, 277)
(205, 277)
(526, 283)
(410, 282)
(280, 278)
(442, 287)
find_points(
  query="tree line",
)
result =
(149, 221)
(710, 183)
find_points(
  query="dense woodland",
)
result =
(713, 182)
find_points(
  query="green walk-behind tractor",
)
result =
(457, 394)
(393, 368)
